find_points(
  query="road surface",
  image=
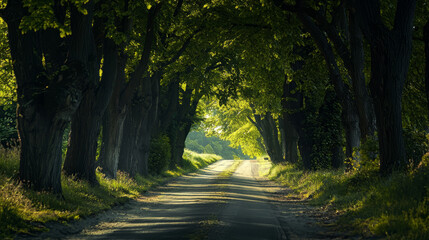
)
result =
(204, 206)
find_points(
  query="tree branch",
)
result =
(141, 68)
(287, 7)
(178, 7)
(182, 49)
(333, 35)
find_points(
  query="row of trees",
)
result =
(123, 71)
(295, 102)
(301, 78)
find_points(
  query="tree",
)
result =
(123, 93)
(51, 70)
(85, 127)
(390, 57)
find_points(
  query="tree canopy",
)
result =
(308, 82)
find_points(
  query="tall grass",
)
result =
(395, 207)
(25, 211)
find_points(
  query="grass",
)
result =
(394, 207)
(230, 170)
(26, 211)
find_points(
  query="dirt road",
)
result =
(202, 206)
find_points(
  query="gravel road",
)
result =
(204, 206)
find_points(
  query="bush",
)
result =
(159, 155)
(209, 149)
(326, 133)
(369, 154)
(8, 132)
(416, 144)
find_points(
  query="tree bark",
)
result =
(113, 123)
(85, 129)
(349, 113)
(267, 127)
(149, 125)
(49, 90)
(292, 105)
(290, 132)
(114, 117)
(133, 132)
(363, 101)
(390, 57)
(426, 42)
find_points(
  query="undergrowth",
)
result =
(26, 211)
(394, 207)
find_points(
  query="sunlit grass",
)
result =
(25, 211)
(193, 161)
(230, 170)
(396, 207)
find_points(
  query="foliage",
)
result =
(229, 122)
(395, 207)
(7, 76)
(159, 155)
(327, 131)
(416, 145)
(193, 161)
(197, 141)
(8, 132)
(367, 156)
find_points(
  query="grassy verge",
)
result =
(395, 207)
(25, 211)
(230, 170)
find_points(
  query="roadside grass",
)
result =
(230, 170)
(193, 161)
(26, 211)
(394, 207)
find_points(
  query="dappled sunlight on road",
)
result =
(205, 206)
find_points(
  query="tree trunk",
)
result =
(293, 112)
(291, 142)
(82, 148)
(363, 101)
(132, 121)
(85, 129)
(290, 132)
(350, 121)
(349, 114)
(178, 146)
(143, 149)
(46, 104)
(426, 41)
(149, 126)
(134, 130)
(113, 123)
(390, 57)
(267, 127)
(305, 144)
(388, 108)
(113, 120)
(41, 144)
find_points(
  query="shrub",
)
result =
(369, 154)
(416, 144)
(159, 155)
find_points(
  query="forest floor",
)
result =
(209, 205)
